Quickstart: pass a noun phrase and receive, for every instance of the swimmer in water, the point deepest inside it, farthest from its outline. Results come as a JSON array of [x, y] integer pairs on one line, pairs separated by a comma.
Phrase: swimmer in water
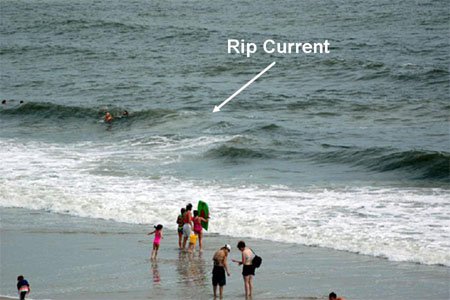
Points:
[[108, 118]]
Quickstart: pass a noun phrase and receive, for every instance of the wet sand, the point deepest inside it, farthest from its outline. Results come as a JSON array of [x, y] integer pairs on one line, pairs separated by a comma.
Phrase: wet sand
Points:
[[76, 258]]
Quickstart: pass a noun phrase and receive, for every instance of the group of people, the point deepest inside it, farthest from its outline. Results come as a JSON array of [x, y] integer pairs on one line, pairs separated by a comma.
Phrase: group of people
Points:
[[220, 260], [221, 267], [190, 228]]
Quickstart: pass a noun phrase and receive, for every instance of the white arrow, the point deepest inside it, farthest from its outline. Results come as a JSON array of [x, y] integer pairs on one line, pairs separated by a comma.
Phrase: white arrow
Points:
[[217, 108]]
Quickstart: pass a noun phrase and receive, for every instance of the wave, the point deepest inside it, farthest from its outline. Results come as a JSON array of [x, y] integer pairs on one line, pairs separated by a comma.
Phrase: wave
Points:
[[46, 50], [228, 152], [104, 180], [433, 76], [51, 111], [68, 25], [428, 165], [350, 219], [431, 165], [270, 127]]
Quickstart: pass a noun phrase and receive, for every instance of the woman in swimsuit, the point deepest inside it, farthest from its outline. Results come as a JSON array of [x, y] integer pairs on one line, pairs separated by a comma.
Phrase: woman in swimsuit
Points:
[[248, 270], [198, 229]]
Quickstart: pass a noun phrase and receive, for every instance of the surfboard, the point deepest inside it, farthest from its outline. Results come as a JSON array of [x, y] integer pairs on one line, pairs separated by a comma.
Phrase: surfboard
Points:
[[203, 211]]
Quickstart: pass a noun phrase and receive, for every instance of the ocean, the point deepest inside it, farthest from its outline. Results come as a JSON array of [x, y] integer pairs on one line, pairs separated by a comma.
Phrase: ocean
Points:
[[347, 150]]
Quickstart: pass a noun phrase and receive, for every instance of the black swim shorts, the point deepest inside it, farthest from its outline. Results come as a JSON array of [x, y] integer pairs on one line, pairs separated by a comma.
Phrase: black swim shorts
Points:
[[218, 276], [248, 270]]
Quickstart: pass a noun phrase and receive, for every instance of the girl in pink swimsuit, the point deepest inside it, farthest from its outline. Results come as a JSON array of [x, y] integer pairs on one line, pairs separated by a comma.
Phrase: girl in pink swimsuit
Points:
[[156, 240], [198, 229]]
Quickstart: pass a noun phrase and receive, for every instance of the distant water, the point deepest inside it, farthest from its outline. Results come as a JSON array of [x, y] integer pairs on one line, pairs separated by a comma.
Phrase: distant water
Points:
[[348, 150]]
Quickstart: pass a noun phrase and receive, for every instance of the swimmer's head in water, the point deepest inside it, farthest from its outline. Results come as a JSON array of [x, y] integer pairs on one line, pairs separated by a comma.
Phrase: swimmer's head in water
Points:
[[108, 117], [125, 113], [158, 227], [3, 101]]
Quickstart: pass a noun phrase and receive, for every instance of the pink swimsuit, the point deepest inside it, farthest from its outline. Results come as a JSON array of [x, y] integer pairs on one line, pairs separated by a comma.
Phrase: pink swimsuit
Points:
[[157, 239], [197, 225]]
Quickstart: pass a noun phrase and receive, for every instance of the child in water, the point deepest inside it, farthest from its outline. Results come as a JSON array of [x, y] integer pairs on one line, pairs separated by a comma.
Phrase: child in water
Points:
[[192, 242], [156, 240], [23, 287], [180, 223]]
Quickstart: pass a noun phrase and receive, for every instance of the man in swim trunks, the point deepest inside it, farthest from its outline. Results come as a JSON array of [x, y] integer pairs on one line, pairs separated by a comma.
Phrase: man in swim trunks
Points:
[[220, 267], [187, 224]]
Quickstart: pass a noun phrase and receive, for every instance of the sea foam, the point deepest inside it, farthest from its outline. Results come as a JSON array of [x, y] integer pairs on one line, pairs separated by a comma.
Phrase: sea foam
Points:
[[400, 224]]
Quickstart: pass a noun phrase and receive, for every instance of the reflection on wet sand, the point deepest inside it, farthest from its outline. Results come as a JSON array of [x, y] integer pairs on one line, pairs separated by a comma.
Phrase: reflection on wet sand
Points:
[[191, 268], [155, 272]]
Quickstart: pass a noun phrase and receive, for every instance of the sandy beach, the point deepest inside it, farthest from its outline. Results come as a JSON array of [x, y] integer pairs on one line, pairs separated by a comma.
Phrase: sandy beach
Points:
[[333, 166], [67, 257]]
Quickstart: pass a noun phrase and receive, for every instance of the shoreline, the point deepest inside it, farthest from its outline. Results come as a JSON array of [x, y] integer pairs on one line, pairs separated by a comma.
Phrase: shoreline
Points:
[[81, 258]]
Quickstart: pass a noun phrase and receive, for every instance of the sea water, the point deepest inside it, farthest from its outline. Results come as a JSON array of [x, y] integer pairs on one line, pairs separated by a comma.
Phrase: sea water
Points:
[[348, 150]]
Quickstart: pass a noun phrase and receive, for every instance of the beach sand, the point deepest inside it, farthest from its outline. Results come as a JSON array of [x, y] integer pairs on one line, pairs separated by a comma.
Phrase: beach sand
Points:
[[67, 257]]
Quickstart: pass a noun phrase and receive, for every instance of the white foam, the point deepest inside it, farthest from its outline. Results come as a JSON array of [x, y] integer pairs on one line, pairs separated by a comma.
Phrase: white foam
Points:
[[397, 223]]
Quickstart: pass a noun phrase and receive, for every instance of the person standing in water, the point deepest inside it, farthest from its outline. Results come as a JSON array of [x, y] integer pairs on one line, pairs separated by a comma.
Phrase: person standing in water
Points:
[[198, 229], [192, 241], [156, 240], [248, 270], [219, 269], [187, 224], [180, 227], [23, 287]]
